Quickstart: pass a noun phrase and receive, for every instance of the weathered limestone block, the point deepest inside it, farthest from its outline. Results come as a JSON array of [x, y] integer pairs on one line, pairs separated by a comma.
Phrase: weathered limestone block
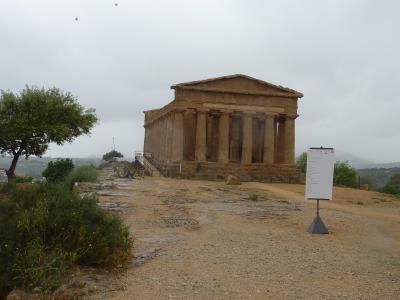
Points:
[[232, 180]]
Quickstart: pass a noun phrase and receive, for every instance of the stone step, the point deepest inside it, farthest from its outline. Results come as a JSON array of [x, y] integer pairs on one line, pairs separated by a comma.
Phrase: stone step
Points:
[[152, 170]]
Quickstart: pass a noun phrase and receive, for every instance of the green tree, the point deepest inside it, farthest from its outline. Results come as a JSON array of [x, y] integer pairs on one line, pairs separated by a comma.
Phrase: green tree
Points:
[[58, 170], [370, 181], [33, 118], [393, 186], [344, 174], [301, 162], [112, 155]]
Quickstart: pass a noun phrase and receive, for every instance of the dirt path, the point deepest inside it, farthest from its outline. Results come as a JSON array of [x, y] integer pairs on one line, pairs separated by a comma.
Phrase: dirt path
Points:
[[206, 240]]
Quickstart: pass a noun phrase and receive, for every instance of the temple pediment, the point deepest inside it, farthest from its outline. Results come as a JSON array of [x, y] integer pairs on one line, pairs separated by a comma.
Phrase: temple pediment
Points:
[[238, 83]]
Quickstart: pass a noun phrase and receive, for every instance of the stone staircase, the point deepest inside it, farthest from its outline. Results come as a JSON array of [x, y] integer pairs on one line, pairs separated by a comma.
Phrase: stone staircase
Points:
[[150, 167]]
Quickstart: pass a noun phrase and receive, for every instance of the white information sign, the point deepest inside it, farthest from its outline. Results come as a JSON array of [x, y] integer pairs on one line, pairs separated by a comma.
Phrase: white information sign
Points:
[[319, 179]]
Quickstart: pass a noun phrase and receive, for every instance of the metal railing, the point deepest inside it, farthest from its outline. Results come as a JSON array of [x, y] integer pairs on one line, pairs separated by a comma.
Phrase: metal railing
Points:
[[140, 154], [149, 156]]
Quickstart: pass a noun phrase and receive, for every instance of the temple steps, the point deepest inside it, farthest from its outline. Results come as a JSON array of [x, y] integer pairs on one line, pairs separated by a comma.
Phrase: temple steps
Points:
[[213, 170], [150, 167]]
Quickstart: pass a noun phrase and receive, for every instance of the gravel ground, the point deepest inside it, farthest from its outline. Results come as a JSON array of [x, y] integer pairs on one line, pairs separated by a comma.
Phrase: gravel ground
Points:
[[207, 240]]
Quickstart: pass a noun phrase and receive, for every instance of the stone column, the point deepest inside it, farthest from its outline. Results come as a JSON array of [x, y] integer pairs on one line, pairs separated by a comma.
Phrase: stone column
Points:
[[235, 141], [247, 146], [280, 140], [146, 138], [177, 140], [157, 148], [168, 138], [163, 138], [289, 140], [201, 134], [269, 139], [223, 145]]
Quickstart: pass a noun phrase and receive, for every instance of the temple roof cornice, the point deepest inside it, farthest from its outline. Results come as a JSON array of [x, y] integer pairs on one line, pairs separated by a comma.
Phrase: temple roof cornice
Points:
[[235, 91]]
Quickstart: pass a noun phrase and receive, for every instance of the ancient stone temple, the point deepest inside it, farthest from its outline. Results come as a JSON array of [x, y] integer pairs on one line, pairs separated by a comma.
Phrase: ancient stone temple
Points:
[[227, 125]]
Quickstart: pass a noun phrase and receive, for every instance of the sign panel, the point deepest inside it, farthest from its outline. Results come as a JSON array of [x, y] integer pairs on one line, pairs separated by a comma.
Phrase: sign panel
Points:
[[319, 178]]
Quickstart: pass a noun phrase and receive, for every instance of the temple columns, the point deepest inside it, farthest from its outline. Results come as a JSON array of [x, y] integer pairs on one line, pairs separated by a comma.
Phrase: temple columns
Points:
[[289, 141], [269, 140], [223, 146], [177, 139], [247, 144], [201, 135]]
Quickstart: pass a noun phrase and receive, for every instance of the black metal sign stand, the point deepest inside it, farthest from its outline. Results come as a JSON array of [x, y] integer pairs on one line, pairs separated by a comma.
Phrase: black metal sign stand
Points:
[[318, 226]]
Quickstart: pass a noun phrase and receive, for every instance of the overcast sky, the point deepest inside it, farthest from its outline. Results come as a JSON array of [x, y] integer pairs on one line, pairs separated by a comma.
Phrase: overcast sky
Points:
[[342, 55]]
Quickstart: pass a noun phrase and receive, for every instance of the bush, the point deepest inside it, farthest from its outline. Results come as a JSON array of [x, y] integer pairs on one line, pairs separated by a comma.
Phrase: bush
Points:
[[301, 162], [81, 174], [344, 175], [46, 229], [36, 266], [58, 170], [23, 179], [393, 186]]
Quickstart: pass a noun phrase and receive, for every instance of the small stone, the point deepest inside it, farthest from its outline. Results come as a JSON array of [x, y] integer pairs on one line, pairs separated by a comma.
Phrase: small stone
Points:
[[21, 295], [232, 180]]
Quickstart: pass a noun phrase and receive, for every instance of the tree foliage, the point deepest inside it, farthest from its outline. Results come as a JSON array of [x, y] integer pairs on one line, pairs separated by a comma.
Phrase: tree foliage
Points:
[[344, 174], [58, 170], [301, 162], [35, 117], [113, 154], [393, 186]]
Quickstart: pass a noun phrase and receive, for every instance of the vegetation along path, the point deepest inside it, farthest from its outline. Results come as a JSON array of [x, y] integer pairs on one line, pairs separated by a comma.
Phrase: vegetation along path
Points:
[[207, 240]]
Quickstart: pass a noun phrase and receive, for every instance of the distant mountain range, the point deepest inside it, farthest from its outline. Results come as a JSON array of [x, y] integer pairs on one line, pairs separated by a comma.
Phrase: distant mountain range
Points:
[[361, 163]]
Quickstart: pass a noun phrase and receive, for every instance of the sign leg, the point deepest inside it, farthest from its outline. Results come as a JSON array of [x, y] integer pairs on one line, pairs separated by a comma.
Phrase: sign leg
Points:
[[317, 226]]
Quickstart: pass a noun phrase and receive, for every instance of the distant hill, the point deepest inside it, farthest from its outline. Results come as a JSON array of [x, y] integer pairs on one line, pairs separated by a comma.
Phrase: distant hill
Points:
[[375, 174], [377, 177], [34, 166], [383, 165], [354, 160], [358, 162]]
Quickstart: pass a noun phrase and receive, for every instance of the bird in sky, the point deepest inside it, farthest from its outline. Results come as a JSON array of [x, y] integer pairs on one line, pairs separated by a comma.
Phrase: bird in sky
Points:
[[76, 18]]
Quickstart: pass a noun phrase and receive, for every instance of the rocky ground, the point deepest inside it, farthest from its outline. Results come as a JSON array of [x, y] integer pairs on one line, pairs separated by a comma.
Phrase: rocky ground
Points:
[[208, 240]]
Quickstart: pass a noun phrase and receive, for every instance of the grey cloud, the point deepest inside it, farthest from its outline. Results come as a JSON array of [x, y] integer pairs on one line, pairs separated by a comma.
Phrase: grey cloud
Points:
[[121, 60]]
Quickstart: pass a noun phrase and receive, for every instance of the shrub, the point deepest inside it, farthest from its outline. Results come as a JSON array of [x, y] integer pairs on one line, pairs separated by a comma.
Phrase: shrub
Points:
[[344, 174], [393, 186], [46, 229], [81, 174], [301, 162], [36, 266], [23, 179], [58, 170]]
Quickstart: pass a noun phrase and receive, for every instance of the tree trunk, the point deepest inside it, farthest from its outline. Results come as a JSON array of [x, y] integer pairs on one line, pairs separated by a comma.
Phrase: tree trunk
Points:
[[11, 171]]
